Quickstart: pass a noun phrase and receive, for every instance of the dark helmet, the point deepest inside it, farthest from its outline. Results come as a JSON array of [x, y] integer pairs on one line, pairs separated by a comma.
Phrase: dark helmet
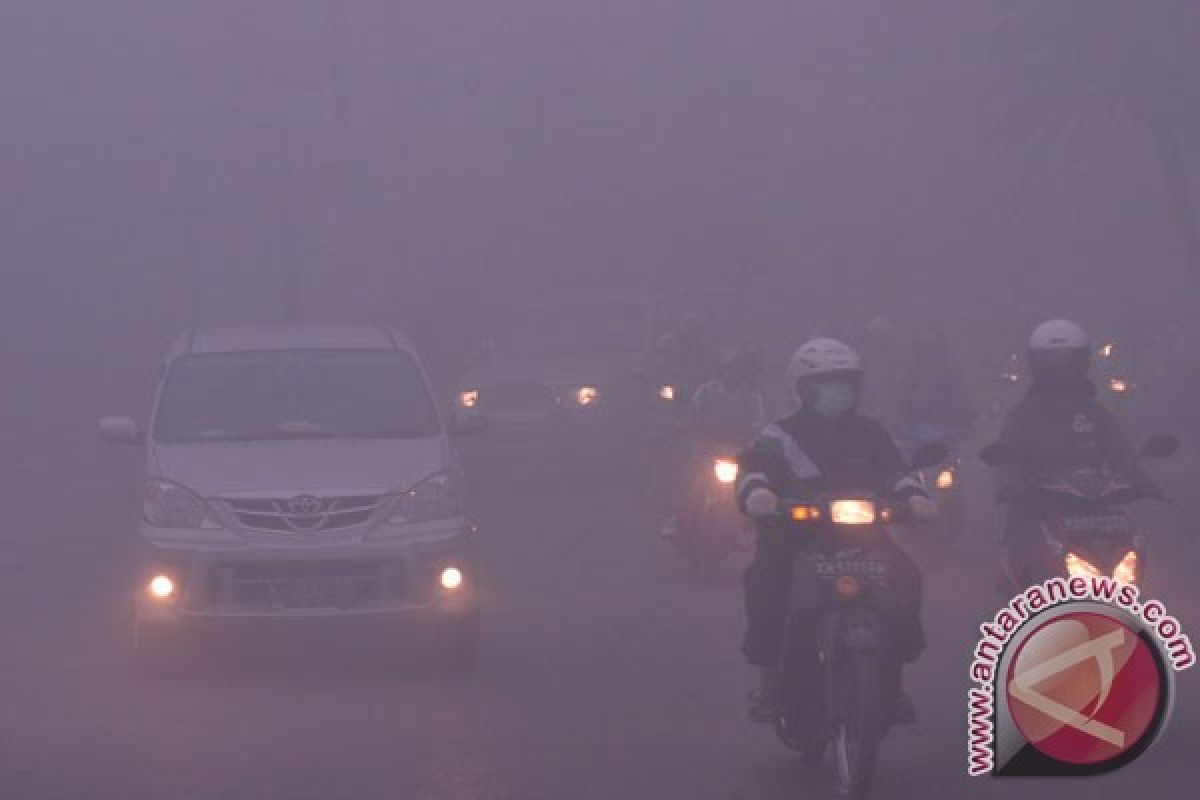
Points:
[[741, 365]]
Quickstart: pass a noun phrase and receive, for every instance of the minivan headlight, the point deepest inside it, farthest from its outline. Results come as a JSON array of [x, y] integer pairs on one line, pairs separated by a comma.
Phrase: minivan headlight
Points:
[[166, 504], [437, 497]]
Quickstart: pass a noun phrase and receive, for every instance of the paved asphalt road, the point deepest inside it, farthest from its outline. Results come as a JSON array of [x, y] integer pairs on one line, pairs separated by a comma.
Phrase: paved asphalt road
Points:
[[608, 674]]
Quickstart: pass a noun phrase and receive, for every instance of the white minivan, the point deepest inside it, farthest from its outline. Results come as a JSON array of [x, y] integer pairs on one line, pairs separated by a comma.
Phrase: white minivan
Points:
[[298, 472]]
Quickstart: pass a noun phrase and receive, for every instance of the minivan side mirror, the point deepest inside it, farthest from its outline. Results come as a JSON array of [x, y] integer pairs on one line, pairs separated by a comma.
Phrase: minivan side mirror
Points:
[[999, 454], [929, 455], [122, 430], [1160, 445]]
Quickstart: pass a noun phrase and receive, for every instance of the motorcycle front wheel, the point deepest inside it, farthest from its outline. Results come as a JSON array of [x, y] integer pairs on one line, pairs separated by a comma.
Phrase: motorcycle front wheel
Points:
[[858, 725]]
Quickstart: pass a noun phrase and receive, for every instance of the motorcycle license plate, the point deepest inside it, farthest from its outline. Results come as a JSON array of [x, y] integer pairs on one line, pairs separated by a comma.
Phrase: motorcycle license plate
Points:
[[1096, 523], [859, 568]]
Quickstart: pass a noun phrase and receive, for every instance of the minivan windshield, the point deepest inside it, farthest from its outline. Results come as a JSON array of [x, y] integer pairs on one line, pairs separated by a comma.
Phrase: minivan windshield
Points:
[[569, 328], [294, 394]]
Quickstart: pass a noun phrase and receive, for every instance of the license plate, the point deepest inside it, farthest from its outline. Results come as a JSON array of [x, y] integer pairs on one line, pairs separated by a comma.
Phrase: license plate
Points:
[[310, 593], [1103, 523], [859, 569]]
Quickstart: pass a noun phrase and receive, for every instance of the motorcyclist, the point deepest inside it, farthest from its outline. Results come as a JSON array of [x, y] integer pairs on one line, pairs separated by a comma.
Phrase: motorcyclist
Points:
[[686, 356], [1060, 422], [826, 444], [726, 410], [731, 406], [683, 359], [881, 349], [932, 392]]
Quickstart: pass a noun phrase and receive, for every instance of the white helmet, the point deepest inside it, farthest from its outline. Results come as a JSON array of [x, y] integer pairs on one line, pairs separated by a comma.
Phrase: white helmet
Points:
[[1059, 334], [822, 357]]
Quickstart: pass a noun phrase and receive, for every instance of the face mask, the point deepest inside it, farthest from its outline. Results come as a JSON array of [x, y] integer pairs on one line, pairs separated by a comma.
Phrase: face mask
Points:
[[833, 399]]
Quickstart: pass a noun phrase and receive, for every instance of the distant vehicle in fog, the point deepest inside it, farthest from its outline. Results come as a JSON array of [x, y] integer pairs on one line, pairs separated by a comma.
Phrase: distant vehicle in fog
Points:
[[575, 377], [564, 376], [300, 473]]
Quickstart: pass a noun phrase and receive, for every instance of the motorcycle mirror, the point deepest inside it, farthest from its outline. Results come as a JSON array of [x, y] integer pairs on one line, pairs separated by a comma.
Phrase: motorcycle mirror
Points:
[[998, 454], [1160, 445], [929, 455]]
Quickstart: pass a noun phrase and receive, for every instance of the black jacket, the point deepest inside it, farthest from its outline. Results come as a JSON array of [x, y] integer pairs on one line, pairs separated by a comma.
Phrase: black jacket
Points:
[[805, 453], [1067, 426]]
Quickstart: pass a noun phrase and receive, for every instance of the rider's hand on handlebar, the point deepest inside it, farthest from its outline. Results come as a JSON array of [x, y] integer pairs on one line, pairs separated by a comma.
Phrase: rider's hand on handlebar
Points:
[[762, 502]]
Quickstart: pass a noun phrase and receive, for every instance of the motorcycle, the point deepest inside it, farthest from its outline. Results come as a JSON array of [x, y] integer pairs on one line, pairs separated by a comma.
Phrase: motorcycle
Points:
[[943, 482], [1087, 532], [840, 701], [711, 528]]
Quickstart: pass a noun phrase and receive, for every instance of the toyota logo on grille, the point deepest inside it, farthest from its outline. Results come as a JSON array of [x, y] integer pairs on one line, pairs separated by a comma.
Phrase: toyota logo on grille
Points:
[[305, 505]]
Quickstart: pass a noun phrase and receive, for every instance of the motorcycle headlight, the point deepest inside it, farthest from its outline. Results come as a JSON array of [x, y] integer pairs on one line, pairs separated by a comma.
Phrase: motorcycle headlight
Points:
[[437, 497], [587, 395], [945, 479], [666, 392], [1080, 567], [725, 470], [1127, 570], [1119, 385], [852, 512], [166, 504], [468, 398]]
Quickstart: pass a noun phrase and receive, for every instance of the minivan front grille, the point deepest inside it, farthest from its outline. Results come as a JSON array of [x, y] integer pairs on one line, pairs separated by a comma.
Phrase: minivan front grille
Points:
[[304, 513]]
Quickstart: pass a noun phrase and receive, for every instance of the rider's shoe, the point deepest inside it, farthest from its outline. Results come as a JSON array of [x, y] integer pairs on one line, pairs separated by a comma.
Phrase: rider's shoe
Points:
[[764, 701]]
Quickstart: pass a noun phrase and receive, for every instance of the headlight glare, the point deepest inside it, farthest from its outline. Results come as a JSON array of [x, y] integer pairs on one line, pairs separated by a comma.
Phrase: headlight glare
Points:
[[586, 395], [852, 512], [945, 479], [468, 398], [1080, 567], [1127, 570], [725, 470]]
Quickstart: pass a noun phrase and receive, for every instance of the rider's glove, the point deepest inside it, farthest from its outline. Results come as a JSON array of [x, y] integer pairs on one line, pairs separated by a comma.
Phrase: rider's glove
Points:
[[923, 508], [761, 502]]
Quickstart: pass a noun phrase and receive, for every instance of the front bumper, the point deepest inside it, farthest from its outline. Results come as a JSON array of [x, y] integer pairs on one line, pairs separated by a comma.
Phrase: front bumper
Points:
[[362, 580]]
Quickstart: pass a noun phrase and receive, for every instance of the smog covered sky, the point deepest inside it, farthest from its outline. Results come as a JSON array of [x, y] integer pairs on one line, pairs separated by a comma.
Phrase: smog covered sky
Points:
[[171, 163]]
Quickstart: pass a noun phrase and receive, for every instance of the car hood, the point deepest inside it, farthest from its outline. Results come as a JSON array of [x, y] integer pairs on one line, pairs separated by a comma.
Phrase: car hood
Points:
[[585, 368], [213, 469]]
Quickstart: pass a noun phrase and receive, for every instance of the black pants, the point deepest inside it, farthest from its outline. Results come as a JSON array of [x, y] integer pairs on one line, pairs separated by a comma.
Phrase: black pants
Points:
[[768, 583], [1030, 556]]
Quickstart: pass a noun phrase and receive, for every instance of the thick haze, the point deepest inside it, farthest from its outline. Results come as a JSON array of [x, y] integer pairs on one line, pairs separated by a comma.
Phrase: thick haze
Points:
[[167, 163]]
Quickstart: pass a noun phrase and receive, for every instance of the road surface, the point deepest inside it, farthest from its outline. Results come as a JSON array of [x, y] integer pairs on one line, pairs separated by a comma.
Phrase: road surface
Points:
[[607, 673]]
